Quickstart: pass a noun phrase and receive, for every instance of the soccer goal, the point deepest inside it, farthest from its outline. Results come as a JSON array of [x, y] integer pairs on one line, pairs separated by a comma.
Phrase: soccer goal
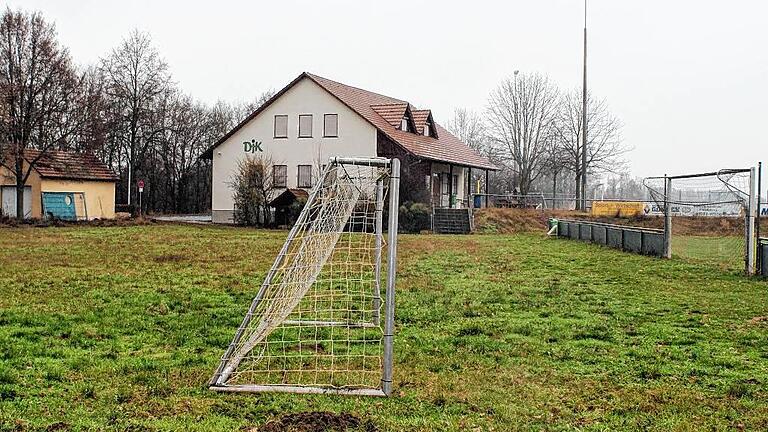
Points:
[[319, 322], [709, 217]]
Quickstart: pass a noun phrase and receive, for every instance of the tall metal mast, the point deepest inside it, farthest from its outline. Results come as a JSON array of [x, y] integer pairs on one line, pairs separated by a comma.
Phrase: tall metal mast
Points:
[[584, 120]]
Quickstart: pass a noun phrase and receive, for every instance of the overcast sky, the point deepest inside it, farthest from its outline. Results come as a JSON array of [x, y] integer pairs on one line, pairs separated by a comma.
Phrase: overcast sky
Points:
[[689, 79]]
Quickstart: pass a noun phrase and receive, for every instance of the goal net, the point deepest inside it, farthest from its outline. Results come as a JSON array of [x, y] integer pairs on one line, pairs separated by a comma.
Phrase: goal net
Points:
[[322, 321], [708, 215]]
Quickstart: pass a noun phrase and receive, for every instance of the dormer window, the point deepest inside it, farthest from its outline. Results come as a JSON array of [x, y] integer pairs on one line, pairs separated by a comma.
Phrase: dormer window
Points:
[[428, 129], [404, 125]]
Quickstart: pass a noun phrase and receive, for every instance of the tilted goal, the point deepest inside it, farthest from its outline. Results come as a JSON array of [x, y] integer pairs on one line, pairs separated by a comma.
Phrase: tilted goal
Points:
[[709, 217], [319, 323]]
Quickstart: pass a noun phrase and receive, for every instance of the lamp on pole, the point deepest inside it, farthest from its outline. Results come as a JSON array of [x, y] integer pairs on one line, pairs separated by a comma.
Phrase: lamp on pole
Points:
[[584, 120]]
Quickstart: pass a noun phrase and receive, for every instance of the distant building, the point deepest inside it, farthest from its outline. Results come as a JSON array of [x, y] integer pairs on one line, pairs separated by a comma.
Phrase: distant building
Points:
[[314, 118], [62, 185]]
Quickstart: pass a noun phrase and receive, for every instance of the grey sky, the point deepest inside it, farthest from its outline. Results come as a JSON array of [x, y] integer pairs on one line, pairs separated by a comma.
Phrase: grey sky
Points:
[[689, 79]]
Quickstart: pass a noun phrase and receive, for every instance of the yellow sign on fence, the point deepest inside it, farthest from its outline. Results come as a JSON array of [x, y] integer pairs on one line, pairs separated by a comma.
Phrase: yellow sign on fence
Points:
[[617, 209]]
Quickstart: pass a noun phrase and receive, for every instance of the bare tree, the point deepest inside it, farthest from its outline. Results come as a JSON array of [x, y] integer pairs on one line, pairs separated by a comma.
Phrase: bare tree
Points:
[[521, 114], [470, 129], [604, 147], [40, 91], [623, 186], [555, 162], [252, 106], [136, 82]]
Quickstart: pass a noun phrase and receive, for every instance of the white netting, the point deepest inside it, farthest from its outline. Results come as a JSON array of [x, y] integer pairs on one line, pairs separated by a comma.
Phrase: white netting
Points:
[[317, 321], [708, 216]]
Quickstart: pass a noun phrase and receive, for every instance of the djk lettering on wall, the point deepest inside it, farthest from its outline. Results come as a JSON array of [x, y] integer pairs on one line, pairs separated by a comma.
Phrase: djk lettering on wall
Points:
[[252, 146]]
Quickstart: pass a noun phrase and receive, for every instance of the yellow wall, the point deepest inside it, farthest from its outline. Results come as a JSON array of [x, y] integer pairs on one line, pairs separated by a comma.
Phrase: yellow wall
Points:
[[99, 195], [8, 179], [617, 209]]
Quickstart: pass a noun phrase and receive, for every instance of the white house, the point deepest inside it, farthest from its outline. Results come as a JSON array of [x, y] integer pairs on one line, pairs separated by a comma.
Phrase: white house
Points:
[[314, 118]]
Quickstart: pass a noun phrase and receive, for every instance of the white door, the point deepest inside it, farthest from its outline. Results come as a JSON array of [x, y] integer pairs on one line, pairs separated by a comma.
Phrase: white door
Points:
[[9, 201], [445, 199]]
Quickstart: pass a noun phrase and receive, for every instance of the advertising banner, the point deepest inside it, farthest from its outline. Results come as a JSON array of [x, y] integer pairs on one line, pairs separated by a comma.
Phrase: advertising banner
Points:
[[708, 210]]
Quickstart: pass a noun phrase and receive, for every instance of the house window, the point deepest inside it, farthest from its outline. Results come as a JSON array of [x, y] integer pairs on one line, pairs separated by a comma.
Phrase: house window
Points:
[[305, 176], [305, 126], [280, 176], [427, 129], [281, 126], [404, 125], [331, 125]]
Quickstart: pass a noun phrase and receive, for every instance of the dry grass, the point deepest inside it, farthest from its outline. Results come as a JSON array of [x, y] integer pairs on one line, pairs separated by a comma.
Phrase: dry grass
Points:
[[510, 221]]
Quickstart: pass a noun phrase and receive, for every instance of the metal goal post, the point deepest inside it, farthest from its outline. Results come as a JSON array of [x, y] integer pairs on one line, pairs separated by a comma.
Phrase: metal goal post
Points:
[[709, 216], [315, 326]]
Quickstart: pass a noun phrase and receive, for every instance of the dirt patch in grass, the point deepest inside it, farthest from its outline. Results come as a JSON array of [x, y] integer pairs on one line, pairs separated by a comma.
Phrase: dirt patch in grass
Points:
[[317, 421], [170, 258]]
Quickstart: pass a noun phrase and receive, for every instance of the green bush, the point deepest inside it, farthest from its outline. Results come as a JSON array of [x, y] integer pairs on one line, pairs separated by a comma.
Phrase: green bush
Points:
[[414, 217]]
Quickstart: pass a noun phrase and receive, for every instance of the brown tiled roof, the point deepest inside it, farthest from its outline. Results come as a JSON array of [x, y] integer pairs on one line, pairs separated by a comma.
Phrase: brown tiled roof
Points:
[[70, 165], [392, 113], [420, 118], [384, 112], [445, 148]]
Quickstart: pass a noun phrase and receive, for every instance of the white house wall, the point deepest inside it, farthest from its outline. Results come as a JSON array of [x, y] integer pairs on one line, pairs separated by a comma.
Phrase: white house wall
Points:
[[356, 137]]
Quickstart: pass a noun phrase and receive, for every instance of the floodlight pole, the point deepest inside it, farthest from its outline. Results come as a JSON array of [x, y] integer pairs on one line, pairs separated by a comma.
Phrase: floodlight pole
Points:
[[584, 120], [389, 309], [667, 217]]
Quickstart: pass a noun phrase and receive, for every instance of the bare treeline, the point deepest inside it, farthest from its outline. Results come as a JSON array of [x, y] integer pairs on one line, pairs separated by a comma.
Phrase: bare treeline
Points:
[[126, 109], [533, 131]]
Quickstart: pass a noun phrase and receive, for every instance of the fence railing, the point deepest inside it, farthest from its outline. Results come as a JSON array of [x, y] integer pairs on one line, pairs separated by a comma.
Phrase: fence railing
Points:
[[646, 241]]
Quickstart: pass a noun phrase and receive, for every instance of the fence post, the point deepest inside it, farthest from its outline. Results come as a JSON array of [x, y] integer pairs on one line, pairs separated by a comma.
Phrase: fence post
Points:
[[667, 217], [750, 267]]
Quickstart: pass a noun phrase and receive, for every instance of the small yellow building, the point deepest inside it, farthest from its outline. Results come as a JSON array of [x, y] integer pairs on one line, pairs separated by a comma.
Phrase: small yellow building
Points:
[[62, 185]]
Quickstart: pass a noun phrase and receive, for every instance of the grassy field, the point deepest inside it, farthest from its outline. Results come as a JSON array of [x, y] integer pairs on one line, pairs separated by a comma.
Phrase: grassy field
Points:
[[120, 328]]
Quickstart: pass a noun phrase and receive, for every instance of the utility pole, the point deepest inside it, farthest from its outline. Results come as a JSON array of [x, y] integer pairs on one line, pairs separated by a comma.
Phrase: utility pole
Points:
[[584, 120]]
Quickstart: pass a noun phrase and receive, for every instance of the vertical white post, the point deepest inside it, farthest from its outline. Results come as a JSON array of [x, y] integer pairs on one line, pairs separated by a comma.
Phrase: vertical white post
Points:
[[750, 265], [667, 217], [389, 309]]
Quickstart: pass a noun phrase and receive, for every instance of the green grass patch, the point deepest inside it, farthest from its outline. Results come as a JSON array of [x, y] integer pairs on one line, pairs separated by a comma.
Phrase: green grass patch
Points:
[[120, 328]]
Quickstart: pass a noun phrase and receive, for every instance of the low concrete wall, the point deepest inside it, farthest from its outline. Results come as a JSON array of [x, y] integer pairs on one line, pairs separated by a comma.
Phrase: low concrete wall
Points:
[[644, 241]]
